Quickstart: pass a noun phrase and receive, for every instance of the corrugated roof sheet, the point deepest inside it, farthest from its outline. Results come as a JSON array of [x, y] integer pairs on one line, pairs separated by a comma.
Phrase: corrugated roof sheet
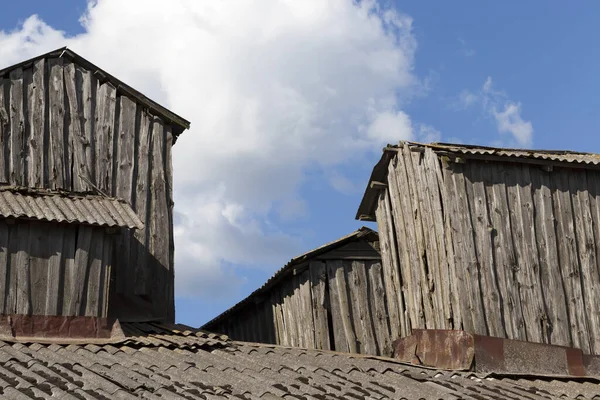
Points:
[[288, 268], [366, 209], [66, 207], [235, 370]]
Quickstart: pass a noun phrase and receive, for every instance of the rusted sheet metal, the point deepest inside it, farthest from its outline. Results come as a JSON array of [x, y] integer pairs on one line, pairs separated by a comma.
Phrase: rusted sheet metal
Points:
[[459, 350], [58, 329]]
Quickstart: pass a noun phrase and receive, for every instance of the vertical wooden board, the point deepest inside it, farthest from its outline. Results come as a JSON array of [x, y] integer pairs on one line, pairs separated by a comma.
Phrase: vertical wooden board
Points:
[[343, 331], [593, 185], [306, 309], [279, 300], [54, 274], [78, 142], [68, 268], [17, 127], [4, 130], [123, 182], [139, 257], [297, 316], [320, 303], [476, 196], [36, 107], [10, 305], [358, 286], [414, 189], [106, 103], [39, 247], [402, 209], [586, 249], [95, 279], [290, 320], [4, 263], [57, 158], [170, 204], [389, 265], [22, 265], [75, 297], [569, 260], [556, 327], [273, 298], [87, 87], [377, 305], [434, 185], [520, 204], [107, 259]]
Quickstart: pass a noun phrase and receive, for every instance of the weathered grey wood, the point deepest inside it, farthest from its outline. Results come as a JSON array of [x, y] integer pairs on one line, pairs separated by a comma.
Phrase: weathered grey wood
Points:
[[104, 131], [282, 329], [377, 305], [320, 303], [277, 326], [586, 249], [17, 128], [95, 280], [142, 199], [4, 130], [36, 119], [569, 261], [288, 308], [593, 193], [21, 264], [4, 261], [58, 160], [87, 86], [10, 305], [343, 332], [361, 313], [123, 184], [306, 311], [39, 245], [390, 265], [483, 230], [170, 204], [76, 300], [78, 142], [55, 276], [556, 326], [521, 206]]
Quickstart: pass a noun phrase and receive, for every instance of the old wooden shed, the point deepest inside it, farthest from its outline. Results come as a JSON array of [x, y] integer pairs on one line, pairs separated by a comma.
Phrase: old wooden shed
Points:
[[493, 241], [330, 298], [85, 193]]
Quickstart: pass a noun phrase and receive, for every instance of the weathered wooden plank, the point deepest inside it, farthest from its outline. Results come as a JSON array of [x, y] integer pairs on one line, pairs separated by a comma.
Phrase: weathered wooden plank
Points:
[[361, 314], [54, 274], [39, 249], [275, 306], [477, 199], [138, 261], [586, 249], [10, 305], [17, 127], [390, 267], [556, 325], [106, 102], [377, 304], [123, 182], [343, 332], [36, 109], [4, 130], [521, 206], [283, 332], [94, 280], [87, 86], [57, 158], [78, 142], [320, 303], [76, 300], [569, 261], [297, 314], [288, 308], [170, 204], [593, 192], [21, 263], [4, 262], [68, 269]]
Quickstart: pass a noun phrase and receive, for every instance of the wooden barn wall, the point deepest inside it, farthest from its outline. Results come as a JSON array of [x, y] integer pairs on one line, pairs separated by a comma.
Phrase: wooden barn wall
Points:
[[62, 127], [54, 269], [501, 249], [333, 304]]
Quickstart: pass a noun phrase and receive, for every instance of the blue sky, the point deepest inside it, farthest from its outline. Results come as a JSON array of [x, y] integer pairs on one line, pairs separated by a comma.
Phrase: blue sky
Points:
[[510, 73]]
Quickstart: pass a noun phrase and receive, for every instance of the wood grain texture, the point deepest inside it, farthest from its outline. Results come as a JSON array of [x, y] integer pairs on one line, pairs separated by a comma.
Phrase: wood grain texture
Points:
[[343, 330], [377, 306], [361, 312], [320, 304], [4, 130], [58, 159], [106, 103], [36, 98], [17, 128]]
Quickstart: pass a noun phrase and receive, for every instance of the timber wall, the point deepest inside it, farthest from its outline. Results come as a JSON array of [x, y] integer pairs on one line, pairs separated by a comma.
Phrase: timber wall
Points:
[[44, 270], [335, 302], [506, 249], [65, 127]]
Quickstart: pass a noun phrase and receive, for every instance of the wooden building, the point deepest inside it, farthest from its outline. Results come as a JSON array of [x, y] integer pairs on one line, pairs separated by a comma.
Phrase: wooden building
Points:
[[86, 223], [497, 242], [330, 298]]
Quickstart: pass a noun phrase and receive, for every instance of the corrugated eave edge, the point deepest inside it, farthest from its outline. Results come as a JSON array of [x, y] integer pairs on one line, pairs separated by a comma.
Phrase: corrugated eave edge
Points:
[[170, 116], [366, 209], [361, 233]]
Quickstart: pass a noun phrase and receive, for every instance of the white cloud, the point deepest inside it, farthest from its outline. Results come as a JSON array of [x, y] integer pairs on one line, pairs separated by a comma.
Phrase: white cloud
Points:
[[505, 112], [428, 134], [272, 87]]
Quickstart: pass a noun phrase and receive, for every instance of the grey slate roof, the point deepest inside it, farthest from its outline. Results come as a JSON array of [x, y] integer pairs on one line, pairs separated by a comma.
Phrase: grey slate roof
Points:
[[175, 362], [44, 205]]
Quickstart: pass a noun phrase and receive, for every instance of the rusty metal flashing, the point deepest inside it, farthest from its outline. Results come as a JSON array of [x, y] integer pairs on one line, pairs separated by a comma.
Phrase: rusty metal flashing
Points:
[[460, 350], [59, 329]]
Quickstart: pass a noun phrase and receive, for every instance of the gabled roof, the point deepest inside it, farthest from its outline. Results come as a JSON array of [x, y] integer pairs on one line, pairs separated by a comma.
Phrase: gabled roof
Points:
[[101, 74], [66, 207], [366, 210], [362, 233], [158, 361]]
